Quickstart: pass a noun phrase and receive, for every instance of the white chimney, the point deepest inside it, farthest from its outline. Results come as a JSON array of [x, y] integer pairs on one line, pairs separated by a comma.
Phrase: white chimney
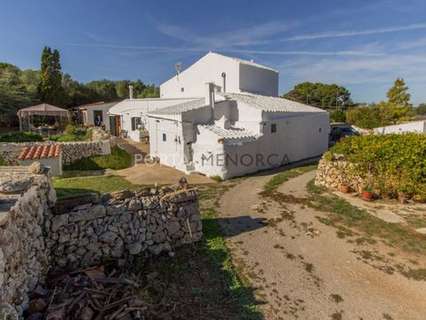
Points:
[[130, 91], [210, 94], [223, 81]]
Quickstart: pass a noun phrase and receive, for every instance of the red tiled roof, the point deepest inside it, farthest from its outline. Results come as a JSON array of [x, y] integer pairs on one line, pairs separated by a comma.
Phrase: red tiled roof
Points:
[[40, 152]]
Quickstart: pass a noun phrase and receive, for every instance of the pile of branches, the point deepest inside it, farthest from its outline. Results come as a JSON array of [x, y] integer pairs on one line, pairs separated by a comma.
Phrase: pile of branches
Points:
[[92, 295]]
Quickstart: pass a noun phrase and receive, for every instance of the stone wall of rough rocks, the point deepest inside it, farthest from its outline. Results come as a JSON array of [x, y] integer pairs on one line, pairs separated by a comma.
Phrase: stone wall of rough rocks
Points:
[[71, 151], [38, 234], [123, 224], [24, 258], [337, 172]]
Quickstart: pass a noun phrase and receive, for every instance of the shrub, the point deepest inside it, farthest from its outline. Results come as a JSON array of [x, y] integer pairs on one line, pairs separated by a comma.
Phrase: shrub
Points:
[[338, 116], [72, 133], [20, 137], [394, 163]]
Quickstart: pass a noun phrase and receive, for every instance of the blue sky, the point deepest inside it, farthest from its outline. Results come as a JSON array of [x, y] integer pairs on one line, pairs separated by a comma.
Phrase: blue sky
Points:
[[361, 44]]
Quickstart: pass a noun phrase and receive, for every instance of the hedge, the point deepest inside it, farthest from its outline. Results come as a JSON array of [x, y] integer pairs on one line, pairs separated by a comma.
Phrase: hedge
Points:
[[394, 163], [20, 137]]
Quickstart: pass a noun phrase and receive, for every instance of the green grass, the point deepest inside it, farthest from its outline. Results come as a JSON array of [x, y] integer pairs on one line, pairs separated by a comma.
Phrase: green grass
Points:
[[66, 187], [2, 162], [215, 247], [20, 137], [118, 159], [73, 133], [284, 176], [342, 212]]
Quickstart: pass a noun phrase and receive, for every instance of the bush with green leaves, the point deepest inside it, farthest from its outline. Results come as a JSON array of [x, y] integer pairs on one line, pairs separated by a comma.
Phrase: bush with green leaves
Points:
[[72, 133], [20, 137], [392, 164]]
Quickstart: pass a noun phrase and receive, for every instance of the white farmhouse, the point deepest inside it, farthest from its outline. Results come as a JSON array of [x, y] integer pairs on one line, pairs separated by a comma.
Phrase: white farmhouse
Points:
[[222, 117]]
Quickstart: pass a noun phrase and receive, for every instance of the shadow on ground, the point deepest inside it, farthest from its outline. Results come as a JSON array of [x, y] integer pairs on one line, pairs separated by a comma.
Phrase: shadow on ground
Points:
[[234, 226]]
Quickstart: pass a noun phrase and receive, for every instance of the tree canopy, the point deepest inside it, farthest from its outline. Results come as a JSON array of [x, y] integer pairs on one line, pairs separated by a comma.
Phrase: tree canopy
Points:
[[395, 110], [421, 109], [325, 96], [22, 88], [398, 94]]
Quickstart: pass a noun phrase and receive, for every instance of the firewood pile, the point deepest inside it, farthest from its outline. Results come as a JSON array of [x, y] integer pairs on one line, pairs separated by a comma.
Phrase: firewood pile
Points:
[[92, 295]]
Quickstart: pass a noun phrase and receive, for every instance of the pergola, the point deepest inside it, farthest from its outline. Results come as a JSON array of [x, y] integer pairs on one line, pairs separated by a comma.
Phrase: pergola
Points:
[[26, 116]]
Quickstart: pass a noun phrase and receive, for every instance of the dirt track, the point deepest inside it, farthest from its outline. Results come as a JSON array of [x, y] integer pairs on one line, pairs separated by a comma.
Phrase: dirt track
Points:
[[302, 269]]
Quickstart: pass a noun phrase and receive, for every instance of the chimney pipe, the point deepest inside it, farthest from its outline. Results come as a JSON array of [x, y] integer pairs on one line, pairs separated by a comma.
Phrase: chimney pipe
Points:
[[210, 94], [130, 92], [224, 81]]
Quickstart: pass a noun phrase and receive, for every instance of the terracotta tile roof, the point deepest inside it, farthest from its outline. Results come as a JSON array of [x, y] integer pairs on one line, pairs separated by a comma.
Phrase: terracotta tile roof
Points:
[[40, 152]]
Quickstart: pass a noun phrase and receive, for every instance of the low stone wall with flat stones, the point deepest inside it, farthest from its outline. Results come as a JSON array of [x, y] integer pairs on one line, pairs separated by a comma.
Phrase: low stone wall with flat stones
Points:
[[71, 151], [123, 224], [337, 172]]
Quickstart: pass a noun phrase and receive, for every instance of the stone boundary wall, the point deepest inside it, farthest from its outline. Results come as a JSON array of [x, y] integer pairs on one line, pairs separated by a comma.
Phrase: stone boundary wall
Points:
[[121, 225], [24, 258], [71, 151], [36, 236], [337, 172]]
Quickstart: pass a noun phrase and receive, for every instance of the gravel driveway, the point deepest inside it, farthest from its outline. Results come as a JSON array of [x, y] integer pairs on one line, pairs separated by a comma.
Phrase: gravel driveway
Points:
[[302, 269]]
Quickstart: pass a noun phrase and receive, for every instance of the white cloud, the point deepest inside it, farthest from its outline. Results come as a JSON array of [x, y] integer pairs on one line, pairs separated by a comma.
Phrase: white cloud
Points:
[[239, 37], [229, 50], [341, 34]]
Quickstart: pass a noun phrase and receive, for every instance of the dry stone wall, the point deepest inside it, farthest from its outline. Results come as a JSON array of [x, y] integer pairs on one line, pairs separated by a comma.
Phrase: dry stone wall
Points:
[[336, 172], [24, 258], [36, 236], [71, 151], [124, 224]]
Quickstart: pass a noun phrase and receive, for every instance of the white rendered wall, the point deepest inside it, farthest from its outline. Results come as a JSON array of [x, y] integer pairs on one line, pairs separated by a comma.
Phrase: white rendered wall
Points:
[[90, 120], [417, 126], [193, 80], [170, 152], [298, 137], [258, 80]]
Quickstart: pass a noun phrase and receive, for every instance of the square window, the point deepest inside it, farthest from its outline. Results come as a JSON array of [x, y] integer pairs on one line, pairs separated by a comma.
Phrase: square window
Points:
[[182, 89], [164, 137], [273, 127]]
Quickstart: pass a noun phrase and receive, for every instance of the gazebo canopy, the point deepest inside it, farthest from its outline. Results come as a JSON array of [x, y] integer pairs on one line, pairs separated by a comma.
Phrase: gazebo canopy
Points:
[[43, 109]]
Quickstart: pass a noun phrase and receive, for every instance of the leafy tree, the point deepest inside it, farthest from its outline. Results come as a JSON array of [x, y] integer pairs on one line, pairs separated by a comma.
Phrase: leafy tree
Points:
[[13, 94], [421, 109], [326, 96], [338, 116], [366, 117], [104, 88], [398, 94], [150, 91], [50, 87]]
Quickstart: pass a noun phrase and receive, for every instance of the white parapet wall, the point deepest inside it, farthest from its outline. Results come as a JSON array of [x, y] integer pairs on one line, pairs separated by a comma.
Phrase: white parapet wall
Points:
[[415, 126]]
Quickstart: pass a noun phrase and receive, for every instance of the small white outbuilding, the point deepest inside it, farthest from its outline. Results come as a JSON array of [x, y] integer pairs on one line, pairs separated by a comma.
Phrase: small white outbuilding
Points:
[[413, 126]]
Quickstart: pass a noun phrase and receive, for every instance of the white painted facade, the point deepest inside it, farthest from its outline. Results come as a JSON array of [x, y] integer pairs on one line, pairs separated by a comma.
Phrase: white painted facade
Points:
[[225, 128], [130, 109], [228, 75], [237, 136], [415, 126], [89, 111]]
